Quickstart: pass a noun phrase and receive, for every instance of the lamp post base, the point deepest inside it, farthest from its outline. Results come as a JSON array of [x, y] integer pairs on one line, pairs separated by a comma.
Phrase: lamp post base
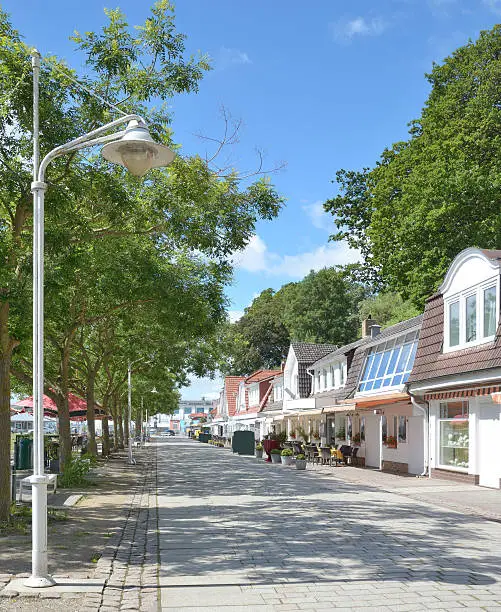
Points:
[[39, 582]]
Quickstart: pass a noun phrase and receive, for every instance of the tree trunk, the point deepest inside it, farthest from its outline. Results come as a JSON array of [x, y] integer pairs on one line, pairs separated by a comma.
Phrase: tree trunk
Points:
[[91, 421], [125, 422], [120, 428], [105, 450], [63, 411], [5, 358]]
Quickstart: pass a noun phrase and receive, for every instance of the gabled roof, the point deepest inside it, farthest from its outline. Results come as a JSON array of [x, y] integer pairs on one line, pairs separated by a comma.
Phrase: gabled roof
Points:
[[307, 352], [231, 384], [260, 375]]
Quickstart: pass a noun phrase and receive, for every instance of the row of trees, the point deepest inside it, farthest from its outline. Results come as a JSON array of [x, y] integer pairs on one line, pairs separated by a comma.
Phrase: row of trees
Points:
[[135, 269], [325, 307]]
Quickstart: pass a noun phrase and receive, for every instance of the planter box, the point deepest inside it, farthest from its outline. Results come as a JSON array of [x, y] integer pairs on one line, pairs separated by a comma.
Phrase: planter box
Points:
[[259, 454], [300, 464], [287, 460], [276, 459]]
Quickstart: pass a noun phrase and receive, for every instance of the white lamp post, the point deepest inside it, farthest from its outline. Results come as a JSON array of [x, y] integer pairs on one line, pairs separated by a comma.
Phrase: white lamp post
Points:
[[133, 148]]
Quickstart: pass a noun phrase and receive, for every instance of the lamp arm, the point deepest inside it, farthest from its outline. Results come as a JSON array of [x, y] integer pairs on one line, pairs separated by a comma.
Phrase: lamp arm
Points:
[[87, 140], [60, 151]]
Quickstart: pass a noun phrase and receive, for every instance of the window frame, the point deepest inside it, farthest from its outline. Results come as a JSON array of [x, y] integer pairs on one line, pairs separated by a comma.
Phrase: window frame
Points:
[[398, 345], [461, 296], [440, 420]]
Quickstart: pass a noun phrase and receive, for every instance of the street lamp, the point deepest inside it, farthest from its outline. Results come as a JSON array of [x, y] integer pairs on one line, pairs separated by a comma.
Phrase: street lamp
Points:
[[135, 149]]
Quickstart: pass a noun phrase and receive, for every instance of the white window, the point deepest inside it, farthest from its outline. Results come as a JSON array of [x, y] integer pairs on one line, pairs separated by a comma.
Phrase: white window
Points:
[[471, 317], [324, 379], [278, 392], [254, 395], [330, 377], [337, 376]]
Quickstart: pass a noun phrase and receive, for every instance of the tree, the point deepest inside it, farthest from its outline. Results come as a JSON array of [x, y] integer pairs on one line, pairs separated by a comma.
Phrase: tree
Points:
[[176, 213], [439, 192], [387, 309], [259, 339], [324, 307]]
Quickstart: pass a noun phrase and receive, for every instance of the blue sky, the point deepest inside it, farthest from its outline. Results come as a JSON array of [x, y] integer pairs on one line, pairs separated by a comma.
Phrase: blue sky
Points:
[[318, 86]]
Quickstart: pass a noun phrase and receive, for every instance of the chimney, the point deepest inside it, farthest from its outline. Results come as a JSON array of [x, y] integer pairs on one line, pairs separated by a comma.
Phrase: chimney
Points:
[[375, 330], [367, 324]]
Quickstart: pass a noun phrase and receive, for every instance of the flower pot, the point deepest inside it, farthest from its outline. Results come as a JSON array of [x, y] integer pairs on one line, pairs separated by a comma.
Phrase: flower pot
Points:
[[287, 460], [276, 459], [300, 464], [259, 454]]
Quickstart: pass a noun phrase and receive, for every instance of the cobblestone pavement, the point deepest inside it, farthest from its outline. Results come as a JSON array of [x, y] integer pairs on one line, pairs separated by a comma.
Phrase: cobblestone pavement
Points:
[[238, 534], [130, 565]]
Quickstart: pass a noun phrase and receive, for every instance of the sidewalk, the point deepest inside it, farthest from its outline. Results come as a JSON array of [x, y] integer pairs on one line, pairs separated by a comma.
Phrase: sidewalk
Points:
[[464, 498], [109, 537]]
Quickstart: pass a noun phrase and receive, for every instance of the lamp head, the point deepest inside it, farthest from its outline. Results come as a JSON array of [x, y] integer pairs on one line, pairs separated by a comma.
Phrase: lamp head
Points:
[[137, 150]]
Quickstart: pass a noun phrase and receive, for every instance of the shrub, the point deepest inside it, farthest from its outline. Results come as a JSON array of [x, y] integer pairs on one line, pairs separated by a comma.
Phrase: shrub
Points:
[[92, 458], [259, 447], [275, 451], [75, 472], [287, 452], [301, 457]]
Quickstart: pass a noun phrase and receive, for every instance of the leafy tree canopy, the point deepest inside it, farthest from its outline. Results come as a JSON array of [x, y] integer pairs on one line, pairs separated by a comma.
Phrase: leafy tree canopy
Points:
[[439, 192]]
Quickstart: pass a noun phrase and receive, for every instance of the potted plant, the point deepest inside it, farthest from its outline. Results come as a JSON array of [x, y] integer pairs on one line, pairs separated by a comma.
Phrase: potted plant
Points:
[[300, 462], [316, 436], [259, 451], [356, 438], [287, 456], [292, 435], [276, 455], [391, 442]]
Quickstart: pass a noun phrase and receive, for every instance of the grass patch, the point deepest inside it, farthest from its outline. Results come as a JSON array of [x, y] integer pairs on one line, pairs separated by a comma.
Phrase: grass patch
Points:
[[19, 522], [55, 516]]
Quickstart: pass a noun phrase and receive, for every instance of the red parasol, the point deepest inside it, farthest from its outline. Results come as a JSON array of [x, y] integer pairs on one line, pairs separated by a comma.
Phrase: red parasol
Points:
[[77, 407]]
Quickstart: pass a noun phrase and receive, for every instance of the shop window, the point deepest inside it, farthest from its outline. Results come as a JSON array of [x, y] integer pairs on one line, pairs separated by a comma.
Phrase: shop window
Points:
[[384, 428], [349, 427], [454, 435], [402, 429], [362, 428]]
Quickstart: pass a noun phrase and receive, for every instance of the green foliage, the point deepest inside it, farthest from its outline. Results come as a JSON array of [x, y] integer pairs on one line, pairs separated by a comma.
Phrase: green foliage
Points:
[[259, 447], [437, 193], [275, 451], [300, 457], [387, 309], [287, 452], [323, 307], [75, 473]]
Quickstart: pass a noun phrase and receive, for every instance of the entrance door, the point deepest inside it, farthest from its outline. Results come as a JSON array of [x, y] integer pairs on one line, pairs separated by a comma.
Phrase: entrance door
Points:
[[373, 441], [488, 440], [415, 444]]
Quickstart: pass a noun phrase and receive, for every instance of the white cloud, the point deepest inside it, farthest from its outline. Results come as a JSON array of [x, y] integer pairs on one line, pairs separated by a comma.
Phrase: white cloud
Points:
[[318, 216], [256, 258], [234, 315], [344, 30], [231, 57], [202, 387]]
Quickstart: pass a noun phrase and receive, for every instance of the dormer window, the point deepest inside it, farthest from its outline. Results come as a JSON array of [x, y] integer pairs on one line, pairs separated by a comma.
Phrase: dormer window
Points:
[[471, 316]]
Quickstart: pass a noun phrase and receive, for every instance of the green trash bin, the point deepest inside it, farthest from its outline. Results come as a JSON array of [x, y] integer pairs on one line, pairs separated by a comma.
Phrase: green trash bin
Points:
[[24, 454]]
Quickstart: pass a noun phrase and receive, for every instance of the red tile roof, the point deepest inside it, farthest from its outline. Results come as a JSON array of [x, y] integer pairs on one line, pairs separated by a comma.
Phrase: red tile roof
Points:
[[262, 375], [231, 384]]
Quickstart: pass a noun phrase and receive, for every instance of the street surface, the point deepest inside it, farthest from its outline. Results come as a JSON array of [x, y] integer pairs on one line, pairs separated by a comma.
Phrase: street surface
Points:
[[237, 534]]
